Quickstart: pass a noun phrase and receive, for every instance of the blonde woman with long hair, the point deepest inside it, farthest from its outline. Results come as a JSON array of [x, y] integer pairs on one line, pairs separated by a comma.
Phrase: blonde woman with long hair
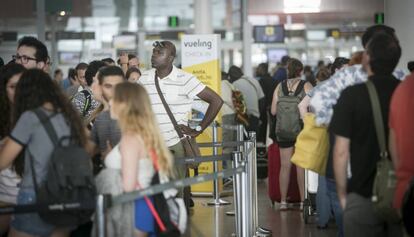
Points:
[[141, 139]]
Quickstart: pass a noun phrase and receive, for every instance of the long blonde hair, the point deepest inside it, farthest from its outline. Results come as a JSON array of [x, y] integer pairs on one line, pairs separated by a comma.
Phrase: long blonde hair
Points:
[[135, 115]]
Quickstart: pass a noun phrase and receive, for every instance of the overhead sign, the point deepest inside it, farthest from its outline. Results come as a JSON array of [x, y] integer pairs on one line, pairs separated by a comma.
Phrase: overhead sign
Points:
[[200, 56], [173, 21], [379, 18], [269, 34], [8, 36], [70, 35]]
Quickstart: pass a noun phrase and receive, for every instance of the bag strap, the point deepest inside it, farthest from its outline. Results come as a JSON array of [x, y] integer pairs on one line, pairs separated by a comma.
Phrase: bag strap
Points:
[[45, 121], [285, 89], [167, 108], [300, 87], [88, 102], [378, 120], [150, 205]]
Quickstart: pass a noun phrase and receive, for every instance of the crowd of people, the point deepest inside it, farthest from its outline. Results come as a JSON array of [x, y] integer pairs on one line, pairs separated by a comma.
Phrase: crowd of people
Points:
[[336, 94], [123, 119]]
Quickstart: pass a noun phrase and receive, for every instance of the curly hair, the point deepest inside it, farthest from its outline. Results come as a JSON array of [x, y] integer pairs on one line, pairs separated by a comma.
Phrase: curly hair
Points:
[[6, 73], [36, 88]]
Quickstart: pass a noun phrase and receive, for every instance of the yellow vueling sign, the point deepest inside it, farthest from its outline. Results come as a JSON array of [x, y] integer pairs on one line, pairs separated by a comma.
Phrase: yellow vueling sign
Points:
[[200, 56]]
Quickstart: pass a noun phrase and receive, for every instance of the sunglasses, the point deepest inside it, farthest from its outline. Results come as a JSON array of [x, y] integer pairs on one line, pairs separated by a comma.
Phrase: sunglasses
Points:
[[158, 44]]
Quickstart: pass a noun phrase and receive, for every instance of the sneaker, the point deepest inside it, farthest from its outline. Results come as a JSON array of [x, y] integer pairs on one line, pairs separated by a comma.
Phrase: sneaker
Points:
[[283, 206]]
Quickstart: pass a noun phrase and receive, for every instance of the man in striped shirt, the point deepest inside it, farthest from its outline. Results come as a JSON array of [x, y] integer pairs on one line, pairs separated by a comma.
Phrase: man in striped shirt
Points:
[[179, 89]]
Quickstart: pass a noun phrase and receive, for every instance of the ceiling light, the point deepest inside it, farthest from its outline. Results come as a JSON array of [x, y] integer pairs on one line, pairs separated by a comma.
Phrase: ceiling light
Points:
[[302, 6], [62, 13]]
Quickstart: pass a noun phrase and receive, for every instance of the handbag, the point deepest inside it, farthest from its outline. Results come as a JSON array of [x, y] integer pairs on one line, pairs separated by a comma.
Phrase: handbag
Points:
[[190, 145], [385, 181], [312, 146]]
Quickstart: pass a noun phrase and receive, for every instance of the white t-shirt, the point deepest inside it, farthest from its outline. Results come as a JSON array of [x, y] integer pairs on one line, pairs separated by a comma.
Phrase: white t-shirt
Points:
[[226, 95], [179, 89], [252, 93]]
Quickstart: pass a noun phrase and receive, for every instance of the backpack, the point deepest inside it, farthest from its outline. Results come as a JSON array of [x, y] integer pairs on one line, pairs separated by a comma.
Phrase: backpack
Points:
[[239, 105], [168, 210], [68, 182], [288, 122], [171, 210]]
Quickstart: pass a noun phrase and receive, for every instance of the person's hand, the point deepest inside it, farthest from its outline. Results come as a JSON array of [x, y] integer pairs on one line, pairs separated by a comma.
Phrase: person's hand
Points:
[[123, 58], [188, 131]]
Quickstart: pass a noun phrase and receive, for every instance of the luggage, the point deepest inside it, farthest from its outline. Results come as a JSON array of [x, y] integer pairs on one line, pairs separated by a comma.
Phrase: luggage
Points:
[[273, 172], [261, 161]]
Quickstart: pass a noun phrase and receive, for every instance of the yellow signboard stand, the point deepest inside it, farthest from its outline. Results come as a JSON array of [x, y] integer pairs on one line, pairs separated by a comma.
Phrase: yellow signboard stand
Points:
[[200, 56]]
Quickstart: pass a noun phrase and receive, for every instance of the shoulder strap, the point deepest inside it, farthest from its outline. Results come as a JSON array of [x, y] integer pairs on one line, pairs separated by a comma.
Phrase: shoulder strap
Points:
[[167, 108], [88, 102], [45, 121], [252, 84], [300, 87], [379, 123], [284, 88]]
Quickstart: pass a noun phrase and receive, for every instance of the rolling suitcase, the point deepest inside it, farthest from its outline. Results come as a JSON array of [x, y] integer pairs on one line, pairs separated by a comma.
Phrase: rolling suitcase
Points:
[[261, 160], [273, 172]]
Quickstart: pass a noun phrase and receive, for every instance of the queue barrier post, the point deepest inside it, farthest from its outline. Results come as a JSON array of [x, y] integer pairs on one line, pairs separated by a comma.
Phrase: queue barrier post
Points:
[[239, 138], [241, 209], [216, 192], [100, 216], [256, 229]]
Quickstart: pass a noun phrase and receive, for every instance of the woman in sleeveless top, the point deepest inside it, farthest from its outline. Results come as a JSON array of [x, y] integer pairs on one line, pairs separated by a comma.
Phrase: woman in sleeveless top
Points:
[[140, 135], [295, 69]]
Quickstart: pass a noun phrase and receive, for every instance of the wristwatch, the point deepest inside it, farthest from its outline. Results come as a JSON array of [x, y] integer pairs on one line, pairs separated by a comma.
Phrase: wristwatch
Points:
[[198, 128]]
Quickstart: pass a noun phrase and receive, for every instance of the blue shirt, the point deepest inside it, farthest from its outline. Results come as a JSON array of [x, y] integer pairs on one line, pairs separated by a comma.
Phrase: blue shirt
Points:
[[280, 74]]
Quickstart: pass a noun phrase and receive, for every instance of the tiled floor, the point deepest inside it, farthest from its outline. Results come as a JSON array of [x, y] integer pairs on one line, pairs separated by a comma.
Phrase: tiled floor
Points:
[[207, 221]]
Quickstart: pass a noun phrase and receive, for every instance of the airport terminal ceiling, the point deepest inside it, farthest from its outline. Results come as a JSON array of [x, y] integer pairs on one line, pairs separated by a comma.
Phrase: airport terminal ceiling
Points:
[[106, 20]]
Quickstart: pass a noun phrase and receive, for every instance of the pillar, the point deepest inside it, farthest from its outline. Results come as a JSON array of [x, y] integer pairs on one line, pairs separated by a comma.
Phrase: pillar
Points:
[[399, 15], [40, 19], [203, 17]]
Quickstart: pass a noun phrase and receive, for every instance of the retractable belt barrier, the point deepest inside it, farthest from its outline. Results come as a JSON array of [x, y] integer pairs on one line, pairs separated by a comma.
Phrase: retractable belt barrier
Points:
[[90, 204], [55, 207], [132, 196]]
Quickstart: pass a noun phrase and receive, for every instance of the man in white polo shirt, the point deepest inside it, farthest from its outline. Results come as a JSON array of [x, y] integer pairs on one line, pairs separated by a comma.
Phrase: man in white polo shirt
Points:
[[179, 89]]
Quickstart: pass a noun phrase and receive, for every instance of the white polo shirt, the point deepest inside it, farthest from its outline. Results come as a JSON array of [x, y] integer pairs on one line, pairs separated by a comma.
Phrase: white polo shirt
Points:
[[179, 89]]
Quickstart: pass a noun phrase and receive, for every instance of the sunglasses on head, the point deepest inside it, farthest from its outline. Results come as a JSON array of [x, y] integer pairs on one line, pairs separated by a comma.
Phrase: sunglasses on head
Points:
[[158, 44]]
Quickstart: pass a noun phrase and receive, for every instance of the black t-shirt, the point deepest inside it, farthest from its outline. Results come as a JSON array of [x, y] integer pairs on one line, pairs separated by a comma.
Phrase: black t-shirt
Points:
[[353, 119], [268, 85]]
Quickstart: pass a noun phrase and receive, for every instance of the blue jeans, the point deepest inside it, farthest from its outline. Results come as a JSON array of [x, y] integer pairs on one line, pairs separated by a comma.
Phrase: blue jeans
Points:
[[323, 205], [336, 207]]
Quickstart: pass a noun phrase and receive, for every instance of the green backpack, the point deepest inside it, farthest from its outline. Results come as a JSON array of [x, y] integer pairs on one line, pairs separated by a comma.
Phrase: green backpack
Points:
[[288, 122]]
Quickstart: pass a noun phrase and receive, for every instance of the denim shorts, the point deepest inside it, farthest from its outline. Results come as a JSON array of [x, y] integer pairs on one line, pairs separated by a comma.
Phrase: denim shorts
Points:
[[30, 223]]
